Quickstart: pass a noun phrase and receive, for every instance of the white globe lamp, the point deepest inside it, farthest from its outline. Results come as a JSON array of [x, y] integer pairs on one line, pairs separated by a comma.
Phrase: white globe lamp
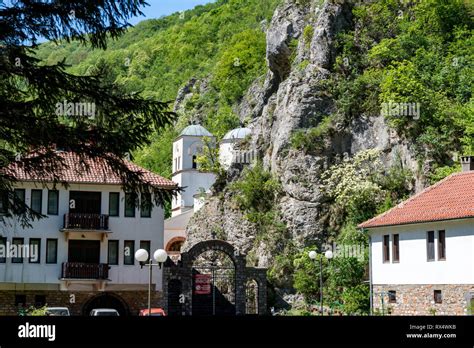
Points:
[[141, 255]]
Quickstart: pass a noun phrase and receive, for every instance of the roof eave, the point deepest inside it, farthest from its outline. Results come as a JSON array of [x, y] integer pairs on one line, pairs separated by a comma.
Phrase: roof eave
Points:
[[170, 187], [414, 222]]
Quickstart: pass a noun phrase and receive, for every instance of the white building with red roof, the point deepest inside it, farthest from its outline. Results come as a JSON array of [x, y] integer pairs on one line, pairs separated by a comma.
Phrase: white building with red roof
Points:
[[422, 251], [86, 243]]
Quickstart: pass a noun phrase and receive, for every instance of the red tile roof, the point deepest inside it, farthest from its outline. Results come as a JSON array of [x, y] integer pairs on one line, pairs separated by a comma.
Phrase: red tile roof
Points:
[[451, 198], [97, 172]]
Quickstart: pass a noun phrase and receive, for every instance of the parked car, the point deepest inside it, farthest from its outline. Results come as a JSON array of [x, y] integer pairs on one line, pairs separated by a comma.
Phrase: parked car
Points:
[[155, 312], [57, 311], [104, 312]]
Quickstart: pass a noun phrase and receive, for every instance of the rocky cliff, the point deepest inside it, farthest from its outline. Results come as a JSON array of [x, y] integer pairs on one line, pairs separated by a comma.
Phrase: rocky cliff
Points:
[[292, 96]]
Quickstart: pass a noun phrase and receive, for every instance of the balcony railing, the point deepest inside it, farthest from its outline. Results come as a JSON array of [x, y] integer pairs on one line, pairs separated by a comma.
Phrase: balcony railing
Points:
[[79, 270], [86, 221]]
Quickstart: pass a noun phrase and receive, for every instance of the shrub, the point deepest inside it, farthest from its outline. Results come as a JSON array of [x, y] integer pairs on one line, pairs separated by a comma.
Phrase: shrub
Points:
[[308, 33], [257, 190], [356, 299], [312, 139]]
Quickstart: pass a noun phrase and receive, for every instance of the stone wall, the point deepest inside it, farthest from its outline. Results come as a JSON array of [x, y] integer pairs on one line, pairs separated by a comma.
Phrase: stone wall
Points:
[[419, 299], [133, 300]]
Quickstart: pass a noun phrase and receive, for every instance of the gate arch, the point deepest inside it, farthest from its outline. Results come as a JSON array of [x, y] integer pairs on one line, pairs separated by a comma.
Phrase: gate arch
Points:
[[106, 300], [185, 272]]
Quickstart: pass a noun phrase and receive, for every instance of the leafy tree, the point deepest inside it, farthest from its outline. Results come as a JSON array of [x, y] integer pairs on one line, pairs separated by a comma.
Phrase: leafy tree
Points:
[[257, 190], [420, 52], [30, 126], [307, 274], [240, 64]]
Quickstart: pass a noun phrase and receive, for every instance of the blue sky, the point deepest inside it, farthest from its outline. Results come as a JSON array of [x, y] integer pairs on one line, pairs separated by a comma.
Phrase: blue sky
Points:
[[158, 8], [155, 8]]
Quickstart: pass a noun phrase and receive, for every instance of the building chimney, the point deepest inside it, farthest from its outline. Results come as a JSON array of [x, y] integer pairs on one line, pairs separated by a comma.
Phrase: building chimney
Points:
[[467, 163]]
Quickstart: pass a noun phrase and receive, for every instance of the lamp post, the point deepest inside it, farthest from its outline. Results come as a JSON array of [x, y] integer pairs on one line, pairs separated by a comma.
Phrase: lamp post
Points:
[[312, 255], [160, 256]]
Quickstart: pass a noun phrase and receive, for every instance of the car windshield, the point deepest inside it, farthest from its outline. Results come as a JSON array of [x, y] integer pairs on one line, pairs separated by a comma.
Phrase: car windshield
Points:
[[110, 314], [57, 312]]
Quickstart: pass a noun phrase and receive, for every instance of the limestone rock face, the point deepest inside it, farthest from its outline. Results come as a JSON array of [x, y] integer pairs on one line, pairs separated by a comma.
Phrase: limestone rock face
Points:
[[292, 96], [287, 24]]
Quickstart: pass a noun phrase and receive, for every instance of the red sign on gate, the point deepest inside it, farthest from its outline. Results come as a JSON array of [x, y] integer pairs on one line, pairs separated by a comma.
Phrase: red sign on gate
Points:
[[202, 284]]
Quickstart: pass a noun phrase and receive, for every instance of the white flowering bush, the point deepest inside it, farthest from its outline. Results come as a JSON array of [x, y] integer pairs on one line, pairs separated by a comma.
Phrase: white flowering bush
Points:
[[355, 187]]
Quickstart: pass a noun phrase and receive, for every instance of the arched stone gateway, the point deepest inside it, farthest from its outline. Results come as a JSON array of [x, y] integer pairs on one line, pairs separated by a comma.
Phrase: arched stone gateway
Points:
[[213, 278], [106, 300]]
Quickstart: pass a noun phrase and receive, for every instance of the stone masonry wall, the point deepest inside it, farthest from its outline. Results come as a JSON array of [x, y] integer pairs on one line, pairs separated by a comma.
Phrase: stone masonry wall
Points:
[[419, 299], [135, 300]]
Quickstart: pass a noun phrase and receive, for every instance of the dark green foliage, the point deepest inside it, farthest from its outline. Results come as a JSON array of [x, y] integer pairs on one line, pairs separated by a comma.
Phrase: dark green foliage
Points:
[[240, 64], [313, 139], [307, 274], [159, 56], [308, 33], [356, 299], [257, 190], [30, 126], [418, 52], [343, 276], [256, 193]]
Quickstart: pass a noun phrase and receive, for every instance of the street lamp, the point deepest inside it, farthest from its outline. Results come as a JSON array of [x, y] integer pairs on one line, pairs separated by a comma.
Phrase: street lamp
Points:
[[312, 255], [160, 256]]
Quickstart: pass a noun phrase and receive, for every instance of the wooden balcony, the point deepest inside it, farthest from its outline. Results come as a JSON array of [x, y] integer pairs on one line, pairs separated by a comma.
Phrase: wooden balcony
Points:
[[90, 222], [79, 270]]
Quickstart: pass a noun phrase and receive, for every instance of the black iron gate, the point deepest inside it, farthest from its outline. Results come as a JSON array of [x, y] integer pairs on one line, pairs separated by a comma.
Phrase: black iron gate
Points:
[[211, 279], [213, 290], [175, 304]]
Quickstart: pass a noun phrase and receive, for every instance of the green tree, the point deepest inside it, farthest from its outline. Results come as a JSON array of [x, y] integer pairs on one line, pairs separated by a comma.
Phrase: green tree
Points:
[[240, 63], [30, 91], [307, 274]]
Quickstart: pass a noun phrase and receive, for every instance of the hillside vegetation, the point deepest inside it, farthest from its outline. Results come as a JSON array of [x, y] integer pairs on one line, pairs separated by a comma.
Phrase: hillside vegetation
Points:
[[222, 42]]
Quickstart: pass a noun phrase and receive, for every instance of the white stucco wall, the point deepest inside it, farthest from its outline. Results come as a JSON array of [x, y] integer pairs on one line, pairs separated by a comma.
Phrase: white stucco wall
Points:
[[226, 153], [123, 228], [413, 268], [192, 182], [184, 148]]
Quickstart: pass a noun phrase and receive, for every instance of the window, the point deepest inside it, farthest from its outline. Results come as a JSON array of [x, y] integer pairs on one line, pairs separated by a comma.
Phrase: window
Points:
[[17, 243], [53, 202], [430, 250], [386, 248], [37, 200], [3, 202], [392, 296], [145, 244], [129, 205], [441, 245], [114, 203], [20, 195], [51, 251], [20, 300], [194, 162], [35, 250], [113, 252], [145, 209], [129, 252], [3, 243], [396, 248], [179, 162], [40, 301], [438, 296]]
